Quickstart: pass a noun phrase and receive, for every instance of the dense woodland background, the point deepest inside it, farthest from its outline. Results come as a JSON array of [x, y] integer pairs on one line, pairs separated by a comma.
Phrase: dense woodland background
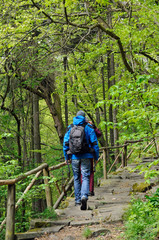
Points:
[[58, 57]]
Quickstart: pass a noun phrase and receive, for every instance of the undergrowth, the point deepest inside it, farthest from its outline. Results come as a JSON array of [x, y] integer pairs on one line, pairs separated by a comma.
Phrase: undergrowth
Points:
[[87, 233], [48, 213], [141, 220]]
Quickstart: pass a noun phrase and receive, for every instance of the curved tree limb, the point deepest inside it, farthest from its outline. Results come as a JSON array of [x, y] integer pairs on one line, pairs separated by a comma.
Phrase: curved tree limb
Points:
[[33, 90], [148, 56], [115, 37]]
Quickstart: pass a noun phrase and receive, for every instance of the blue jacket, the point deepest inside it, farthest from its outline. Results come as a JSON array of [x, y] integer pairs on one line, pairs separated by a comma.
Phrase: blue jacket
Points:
[[90, 136]]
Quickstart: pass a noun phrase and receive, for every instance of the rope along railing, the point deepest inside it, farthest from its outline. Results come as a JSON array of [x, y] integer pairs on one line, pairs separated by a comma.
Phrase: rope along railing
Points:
[[46, 170]]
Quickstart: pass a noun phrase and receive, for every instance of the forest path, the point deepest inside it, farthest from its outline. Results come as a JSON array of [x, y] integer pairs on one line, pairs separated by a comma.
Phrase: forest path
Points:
[[105, 209]]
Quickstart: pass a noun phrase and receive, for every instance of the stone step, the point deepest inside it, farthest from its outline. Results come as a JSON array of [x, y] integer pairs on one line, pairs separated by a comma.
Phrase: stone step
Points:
[[35, 233], [45, 223]]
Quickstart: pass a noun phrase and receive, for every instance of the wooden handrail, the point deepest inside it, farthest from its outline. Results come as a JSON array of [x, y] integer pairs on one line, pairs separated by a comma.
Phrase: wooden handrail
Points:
[[13, 181], [114, 147], [134, 141], [45, 165], [57, 166], [115, 160], [21, 198], [124, 154], [148, 145], [63, 193]]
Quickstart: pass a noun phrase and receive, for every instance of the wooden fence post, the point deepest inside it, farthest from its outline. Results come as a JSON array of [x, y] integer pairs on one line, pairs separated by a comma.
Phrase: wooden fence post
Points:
[[10, 222], [63, 193], [47, 188], [125, 151], [124, 157], [105, 163]]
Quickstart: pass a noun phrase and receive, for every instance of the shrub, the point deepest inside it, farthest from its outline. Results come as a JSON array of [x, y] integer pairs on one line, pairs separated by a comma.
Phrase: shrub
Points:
[[87, 232], [48, 213], [141, 219]]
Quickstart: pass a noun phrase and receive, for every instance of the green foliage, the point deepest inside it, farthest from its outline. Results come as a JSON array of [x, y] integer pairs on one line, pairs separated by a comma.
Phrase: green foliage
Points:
[[141, 219], [48, 213], [33, 45], [137, 121], [148, 172], [22, 221], [154, 199], [87, 232], [9, 169], [98, 172], [3, 234], [7, 140]]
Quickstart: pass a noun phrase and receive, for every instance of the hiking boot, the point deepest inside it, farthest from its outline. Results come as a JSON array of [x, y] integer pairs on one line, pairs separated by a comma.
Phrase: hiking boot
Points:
[[91, 193], [83, 203]]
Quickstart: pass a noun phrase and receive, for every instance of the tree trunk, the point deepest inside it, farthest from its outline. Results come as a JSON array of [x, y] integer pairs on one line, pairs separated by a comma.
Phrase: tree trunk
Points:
[[37, 146], [24, 144], [105, 111], [32, 163], [104, 99], [111, 82], [37, 203], [10, 221], [55, 110], [52, 98], [65, 90]]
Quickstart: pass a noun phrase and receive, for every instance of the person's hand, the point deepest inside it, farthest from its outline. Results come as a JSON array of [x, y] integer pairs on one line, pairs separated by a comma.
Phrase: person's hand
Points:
[[97, 161], [68, 161]]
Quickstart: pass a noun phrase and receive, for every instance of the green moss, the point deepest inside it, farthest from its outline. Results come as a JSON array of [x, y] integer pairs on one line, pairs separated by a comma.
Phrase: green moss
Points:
[[141, 187], [42, 224], [34, 230], [65, 203]]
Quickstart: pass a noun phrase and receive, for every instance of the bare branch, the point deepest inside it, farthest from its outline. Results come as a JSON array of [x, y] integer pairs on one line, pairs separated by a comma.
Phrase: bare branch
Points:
[[35, 91], [155, 81], [46, 15], [148, 56], [65, 12]]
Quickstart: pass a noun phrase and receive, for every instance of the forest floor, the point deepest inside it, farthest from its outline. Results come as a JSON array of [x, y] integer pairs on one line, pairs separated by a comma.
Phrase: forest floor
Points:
[[114, 232]]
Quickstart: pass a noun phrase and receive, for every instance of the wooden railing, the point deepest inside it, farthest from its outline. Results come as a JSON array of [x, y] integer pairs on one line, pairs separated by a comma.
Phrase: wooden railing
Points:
[[124, 154], [12, 206]]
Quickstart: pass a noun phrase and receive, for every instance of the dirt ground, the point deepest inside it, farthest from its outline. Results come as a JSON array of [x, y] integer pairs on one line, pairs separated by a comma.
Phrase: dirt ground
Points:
[[77, 233]]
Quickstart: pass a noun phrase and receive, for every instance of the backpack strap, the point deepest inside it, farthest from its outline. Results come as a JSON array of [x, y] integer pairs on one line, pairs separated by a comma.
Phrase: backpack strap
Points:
[[84, 124], [69, 127]]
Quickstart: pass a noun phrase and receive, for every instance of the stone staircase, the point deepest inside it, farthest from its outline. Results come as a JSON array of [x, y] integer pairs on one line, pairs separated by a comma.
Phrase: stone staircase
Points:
[[111, 199]]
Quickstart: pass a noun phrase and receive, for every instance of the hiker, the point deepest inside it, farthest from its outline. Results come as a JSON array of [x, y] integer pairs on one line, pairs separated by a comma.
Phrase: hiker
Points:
[[92, 170], [80, 150]]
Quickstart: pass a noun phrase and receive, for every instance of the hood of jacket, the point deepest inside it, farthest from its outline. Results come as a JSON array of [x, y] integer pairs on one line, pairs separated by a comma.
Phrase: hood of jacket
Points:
[[78, 120]]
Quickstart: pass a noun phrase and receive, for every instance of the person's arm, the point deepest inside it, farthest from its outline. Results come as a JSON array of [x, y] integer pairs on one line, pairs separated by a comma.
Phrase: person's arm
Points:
[[66, 145], [97, 131], [94, 143]]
